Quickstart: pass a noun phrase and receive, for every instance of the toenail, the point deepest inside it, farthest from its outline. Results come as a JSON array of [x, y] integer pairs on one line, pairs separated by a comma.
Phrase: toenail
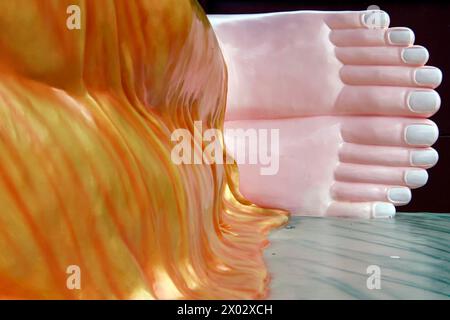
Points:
[[424, 101], [415, 55], [416, 178], [424, 158], [376, 19], [421, 134], [401, 36], [399, 195], [428, 76], [383, 210]]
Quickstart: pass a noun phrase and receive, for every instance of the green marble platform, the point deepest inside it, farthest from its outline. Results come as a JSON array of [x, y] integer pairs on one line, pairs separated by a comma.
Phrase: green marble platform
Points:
[[327, 258]]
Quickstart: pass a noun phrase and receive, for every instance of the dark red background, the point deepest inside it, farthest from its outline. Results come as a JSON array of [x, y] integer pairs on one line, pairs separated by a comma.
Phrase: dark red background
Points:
[[430, 21]]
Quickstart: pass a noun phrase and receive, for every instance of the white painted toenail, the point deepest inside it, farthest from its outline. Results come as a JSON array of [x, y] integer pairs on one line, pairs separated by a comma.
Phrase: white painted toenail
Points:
[[376, 19], [383, 210], [424, 158], [399, 195], [428, 76], [424, 101], [416, 178], [401, 36], [415, 55], [421, 134]]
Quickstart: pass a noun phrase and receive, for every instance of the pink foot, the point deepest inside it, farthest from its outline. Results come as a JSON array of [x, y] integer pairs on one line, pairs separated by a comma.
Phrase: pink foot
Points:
[[340, 166]]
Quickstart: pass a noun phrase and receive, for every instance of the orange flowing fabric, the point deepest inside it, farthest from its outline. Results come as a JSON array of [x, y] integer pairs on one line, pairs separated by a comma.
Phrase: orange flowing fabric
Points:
[[86, 177]]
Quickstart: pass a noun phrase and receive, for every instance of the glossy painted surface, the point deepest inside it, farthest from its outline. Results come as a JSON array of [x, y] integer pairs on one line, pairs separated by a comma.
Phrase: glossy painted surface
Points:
[[86, 175], [327, 258]]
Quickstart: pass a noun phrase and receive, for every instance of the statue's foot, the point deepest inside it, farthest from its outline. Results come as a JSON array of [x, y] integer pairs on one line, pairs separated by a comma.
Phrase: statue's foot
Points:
[[307, 63], [338, 166], [322, 71]]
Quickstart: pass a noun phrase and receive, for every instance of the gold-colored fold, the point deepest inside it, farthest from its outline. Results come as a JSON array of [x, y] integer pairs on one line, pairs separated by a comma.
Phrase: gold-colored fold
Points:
[[86, 177]]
